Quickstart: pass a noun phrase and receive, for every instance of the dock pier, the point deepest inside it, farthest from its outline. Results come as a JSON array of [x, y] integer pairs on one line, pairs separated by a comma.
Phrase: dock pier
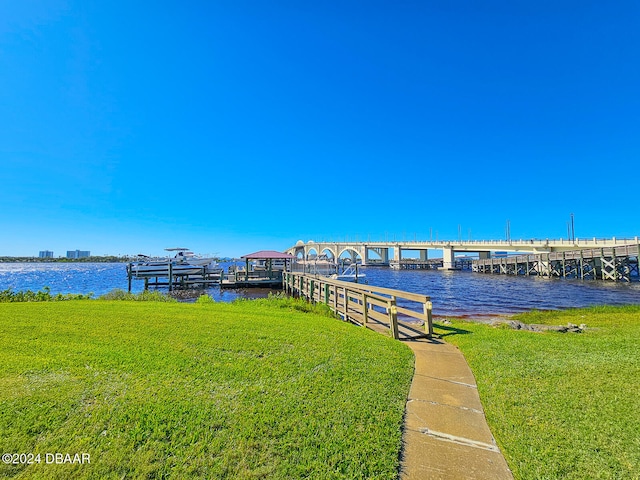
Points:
[[404, 315], [430, 264], [263, 269], [613, 263], [172, 279]]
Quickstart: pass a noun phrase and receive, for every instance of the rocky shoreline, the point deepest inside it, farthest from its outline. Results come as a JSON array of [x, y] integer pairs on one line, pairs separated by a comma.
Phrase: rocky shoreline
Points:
[[517, 325]]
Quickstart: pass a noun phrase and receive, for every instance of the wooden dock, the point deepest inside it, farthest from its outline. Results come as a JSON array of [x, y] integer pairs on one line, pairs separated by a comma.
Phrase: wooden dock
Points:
[[253, 279], [429, 264], [416, 264], [173, 280], [613, 263], [404, 315], [262, 269]]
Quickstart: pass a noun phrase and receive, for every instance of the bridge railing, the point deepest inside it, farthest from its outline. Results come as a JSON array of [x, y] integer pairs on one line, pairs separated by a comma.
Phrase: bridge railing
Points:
[[361, 304], [619, 251], [536, 242]]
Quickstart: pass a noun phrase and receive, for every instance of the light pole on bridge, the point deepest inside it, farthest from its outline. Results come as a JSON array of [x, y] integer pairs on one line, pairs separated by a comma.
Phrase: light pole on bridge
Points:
[[573, 229]]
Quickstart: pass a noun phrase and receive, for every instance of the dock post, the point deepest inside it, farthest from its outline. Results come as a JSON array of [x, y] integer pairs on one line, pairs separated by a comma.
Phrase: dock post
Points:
[[428, 326], [365, 310], [393, 318], [129, 268], [547, 266], [346, 305], [170, 276]]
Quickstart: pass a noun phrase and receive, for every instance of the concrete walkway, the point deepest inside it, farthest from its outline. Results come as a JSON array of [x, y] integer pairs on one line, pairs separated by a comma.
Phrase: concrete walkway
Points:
[[446, 435]]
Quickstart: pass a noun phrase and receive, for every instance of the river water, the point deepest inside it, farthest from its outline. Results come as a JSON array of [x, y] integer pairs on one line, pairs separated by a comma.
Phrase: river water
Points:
[[453, 293]]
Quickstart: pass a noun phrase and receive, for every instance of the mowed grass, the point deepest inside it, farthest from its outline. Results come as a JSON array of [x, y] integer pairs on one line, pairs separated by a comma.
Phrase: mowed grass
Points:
[[561, 405], [253, 389]]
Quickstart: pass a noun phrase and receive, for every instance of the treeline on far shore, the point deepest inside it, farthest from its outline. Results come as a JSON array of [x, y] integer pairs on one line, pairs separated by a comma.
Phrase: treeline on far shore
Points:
[[92, 259]]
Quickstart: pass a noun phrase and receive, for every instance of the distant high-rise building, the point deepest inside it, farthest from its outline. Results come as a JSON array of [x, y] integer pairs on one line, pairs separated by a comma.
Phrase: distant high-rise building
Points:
[[45, 254], [78, 253]]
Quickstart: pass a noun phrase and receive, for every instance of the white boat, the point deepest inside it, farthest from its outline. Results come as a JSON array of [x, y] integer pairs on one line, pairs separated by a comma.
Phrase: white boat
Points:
[[319, 265], [349, 274], [183, 263], [327, 267], [186, 256]]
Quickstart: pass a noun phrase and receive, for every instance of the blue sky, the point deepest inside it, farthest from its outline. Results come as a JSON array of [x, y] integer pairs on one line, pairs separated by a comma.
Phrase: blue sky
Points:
[[234, 126]]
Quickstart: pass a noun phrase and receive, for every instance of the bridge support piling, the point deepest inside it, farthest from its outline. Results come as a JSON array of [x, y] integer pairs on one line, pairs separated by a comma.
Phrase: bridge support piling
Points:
[[448, 255]]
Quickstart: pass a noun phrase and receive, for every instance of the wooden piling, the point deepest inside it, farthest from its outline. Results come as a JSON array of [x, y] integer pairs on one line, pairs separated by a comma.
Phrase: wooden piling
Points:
[[393, 318], [428, 324]]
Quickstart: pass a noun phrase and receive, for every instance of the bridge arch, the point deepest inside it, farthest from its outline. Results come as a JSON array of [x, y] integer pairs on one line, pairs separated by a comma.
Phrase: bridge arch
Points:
[[353, 254], [329, 252], [299, 250]]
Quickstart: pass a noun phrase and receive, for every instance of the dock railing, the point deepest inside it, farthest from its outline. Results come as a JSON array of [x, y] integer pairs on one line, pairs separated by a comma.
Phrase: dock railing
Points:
[[607, 263], [361, 303]]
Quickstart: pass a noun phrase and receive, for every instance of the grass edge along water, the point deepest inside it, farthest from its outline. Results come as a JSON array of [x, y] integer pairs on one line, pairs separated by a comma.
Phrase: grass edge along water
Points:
[[560, 405], [260, 388]]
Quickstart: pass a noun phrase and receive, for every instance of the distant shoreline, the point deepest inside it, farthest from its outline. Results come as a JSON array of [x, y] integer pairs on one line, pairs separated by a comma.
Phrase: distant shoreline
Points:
[[92, 259]]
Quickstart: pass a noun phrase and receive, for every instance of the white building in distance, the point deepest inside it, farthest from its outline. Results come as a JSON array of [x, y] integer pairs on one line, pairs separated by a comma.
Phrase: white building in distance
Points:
[[78, 253]]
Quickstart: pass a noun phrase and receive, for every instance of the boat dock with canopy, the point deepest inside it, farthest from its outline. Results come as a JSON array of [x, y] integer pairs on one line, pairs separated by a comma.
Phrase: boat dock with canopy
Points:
[[261, 269]]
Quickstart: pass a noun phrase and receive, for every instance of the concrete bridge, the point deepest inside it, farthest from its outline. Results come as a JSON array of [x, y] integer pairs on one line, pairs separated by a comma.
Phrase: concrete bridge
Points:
[[485, 248]]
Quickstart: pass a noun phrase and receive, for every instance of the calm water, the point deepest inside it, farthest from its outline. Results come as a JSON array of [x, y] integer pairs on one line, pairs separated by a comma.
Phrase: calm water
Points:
[[452, 293]]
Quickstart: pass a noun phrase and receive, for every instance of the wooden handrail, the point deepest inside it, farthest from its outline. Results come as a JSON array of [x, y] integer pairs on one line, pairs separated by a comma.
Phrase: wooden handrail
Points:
[[359, 303]]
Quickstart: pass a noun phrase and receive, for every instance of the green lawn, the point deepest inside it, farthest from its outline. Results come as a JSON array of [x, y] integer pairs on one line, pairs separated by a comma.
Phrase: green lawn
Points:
[[561, 405], [258, 389]]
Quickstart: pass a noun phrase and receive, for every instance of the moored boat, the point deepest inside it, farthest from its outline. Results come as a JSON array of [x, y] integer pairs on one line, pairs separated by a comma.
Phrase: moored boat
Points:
[[183, 263], [349, 274]]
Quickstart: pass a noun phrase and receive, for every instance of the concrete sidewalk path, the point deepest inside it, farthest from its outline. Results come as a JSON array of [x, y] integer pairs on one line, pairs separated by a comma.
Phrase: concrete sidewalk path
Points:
[[446, 435]]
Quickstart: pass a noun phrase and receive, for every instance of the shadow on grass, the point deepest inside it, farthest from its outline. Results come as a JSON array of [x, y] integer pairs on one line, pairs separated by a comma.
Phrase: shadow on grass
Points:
[[448, 330]]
